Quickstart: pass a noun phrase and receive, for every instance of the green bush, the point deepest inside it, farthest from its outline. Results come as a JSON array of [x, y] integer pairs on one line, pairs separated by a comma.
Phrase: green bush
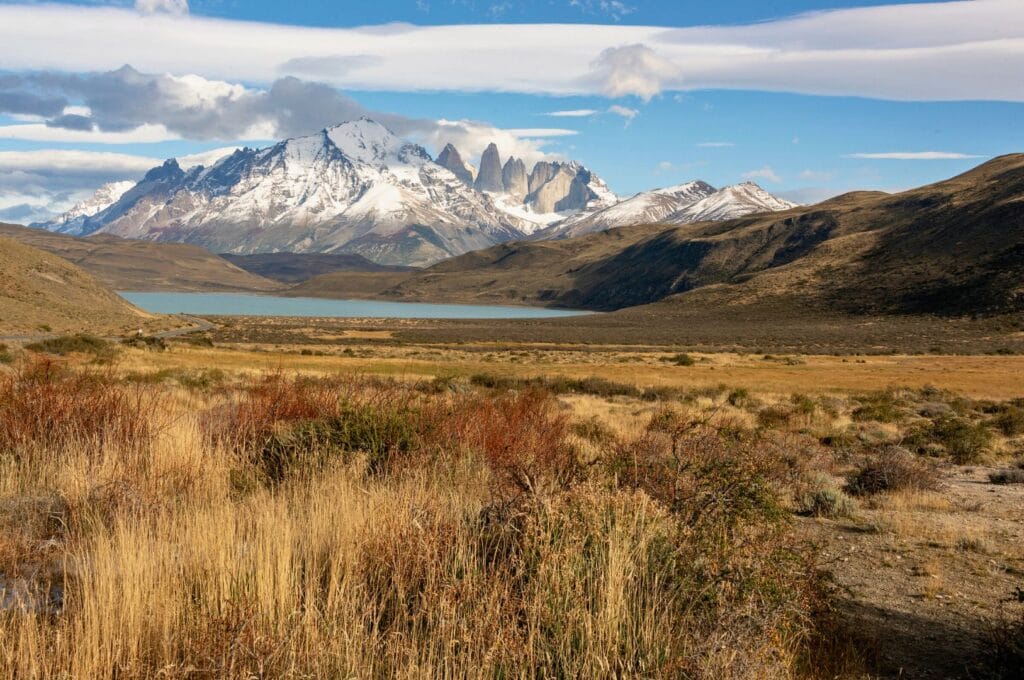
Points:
[[682, 360], [1010, 421], [881, 407], [145, 342], [962, 440], [80, 343], [5, 354], [827, 501]]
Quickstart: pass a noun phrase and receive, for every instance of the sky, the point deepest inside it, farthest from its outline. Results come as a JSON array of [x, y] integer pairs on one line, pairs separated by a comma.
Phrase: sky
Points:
[[807, 98]]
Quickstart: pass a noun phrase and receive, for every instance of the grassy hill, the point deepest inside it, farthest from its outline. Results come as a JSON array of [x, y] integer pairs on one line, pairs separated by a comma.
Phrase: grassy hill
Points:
[[40, 292], [952, 248], [299, 267], [125, 264]]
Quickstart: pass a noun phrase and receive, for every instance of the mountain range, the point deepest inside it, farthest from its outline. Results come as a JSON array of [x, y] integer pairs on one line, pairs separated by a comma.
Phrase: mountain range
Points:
[[358, 188], [948, 249]]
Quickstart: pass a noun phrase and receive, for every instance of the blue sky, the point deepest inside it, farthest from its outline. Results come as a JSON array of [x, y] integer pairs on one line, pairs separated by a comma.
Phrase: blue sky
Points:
[[859, 94]]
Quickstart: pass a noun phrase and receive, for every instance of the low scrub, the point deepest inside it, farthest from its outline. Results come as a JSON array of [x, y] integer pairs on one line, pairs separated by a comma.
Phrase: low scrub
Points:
[[961, 439], [823, 498], [81, 343], [1010, 420], [1009, 476], [562, 385], [150, 342], [43, 405], [892, 469], [882, 407]]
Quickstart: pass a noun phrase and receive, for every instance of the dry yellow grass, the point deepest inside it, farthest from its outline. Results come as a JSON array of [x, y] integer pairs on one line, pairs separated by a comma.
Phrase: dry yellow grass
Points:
[[166, 559], [987, 377]]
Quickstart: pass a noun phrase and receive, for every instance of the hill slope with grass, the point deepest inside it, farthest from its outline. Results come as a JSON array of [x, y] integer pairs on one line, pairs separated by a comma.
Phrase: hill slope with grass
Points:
[[298, 267], [953, 248], [40, 292], [125, 264]]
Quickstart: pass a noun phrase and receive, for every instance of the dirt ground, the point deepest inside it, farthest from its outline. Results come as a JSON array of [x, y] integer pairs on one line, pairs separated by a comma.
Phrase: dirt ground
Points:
[[926, 577]]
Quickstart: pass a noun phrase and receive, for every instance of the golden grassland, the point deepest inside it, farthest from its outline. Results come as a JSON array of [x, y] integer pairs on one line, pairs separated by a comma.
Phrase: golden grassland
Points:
[[227, 512], [988, 377]]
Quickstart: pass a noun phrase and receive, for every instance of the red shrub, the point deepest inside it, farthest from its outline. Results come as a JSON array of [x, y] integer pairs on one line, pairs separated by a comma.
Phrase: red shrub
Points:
[[523, 438], [45, 405]]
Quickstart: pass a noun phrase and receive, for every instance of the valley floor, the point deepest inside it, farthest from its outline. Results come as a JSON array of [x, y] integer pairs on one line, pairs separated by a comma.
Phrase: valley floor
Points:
[[241, 501]]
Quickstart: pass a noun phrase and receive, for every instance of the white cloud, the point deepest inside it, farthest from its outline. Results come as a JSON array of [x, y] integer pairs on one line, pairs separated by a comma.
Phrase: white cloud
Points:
[[715, 145], [623, 112], [914, 156], [40, 132], [206, 158], [472, 137], [766, 173], [177, 7], [541, 132], [959, 50], [64, 160], [633, 70], [574, 113], [817, 176]]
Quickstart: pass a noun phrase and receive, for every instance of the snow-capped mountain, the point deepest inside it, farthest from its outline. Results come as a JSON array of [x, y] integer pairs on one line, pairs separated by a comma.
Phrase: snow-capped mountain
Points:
[[356, 187], [73, 221], [646, 207], [694, 201], [729, 203]]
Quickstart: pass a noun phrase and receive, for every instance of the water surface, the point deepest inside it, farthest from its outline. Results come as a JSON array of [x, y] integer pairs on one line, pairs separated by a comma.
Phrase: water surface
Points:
[[240, 304]]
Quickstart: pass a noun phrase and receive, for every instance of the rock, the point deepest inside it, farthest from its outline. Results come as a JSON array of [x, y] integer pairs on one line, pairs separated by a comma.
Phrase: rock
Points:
[[514, 179], [489, 178], [451, 158]]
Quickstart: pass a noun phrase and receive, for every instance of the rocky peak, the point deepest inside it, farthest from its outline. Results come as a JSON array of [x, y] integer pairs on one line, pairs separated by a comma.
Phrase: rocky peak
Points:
[[169, 171], [489, 178], [451, 159], [541, 173], [514, 179]]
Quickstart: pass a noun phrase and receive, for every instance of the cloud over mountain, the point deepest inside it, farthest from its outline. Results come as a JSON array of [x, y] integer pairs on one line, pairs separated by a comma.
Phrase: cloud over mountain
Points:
[[889, 52]]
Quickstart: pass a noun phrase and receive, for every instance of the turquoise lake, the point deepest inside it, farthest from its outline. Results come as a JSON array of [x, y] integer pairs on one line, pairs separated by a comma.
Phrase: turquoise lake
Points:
[[237, 304]]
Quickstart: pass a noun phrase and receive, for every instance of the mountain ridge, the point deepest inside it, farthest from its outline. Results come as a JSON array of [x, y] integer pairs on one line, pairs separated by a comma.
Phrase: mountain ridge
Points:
[[351, 188], [951, 248]]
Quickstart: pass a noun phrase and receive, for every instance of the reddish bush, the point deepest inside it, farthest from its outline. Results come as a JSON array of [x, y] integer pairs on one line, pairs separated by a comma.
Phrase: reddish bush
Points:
[[44, 405], [523, 438]]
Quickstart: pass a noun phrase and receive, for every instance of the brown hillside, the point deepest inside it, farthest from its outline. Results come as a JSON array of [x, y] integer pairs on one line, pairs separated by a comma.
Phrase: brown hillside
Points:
[[125, 264], [953, 248], [40, 292]]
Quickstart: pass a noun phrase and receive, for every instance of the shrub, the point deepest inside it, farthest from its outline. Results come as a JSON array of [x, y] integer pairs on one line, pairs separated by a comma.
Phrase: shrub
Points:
[[774, 416], [826, 501], [380, 433], [682, 360], [594, 431], [803, 404], [522, 437], [740, 398], [81, 343], [964, 441], [881, 407], [197, 340], [285, 423], [1009, 476], [150, 342], [893, 469], [44, 405], [5, 354], [1010, 421]]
